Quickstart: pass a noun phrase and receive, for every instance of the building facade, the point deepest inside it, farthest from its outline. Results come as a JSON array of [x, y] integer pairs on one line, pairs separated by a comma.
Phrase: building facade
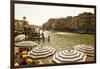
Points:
[[21, 24], [85, 22], [82, 23]]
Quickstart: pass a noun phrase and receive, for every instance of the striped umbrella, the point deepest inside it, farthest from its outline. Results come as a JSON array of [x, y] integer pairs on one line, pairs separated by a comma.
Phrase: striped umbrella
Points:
[[68, 56], [41, 52], [89, 50]]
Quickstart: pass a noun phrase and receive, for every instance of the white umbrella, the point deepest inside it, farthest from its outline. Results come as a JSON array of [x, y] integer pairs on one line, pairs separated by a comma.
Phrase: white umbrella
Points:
[[89, 50], [25, 43], [68, 56], [20, 37], [41, 52]]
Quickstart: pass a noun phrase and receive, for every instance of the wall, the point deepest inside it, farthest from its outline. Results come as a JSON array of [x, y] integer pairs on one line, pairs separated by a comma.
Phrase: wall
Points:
[[5, 35]]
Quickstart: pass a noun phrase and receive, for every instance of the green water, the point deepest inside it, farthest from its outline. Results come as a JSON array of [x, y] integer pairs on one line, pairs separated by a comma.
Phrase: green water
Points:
[[65, 40]]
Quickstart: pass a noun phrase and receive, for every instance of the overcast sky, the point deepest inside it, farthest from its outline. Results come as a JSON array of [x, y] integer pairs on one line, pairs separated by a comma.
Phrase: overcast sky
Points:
[[39, 14]]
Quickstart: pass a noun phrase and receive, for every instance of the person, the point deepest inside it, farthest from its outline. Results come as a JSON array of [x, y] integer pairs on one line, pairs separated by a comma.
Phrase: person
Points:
[[23, 61], [33, 34], [25, 32], [29, 61], [43, 37], [48, 38], [29, 33]]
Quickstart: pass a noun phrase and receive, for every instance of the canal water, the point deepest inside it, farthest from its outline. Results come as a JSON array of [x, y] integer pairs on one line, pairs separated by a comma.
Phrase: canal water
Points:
[[65, 40]]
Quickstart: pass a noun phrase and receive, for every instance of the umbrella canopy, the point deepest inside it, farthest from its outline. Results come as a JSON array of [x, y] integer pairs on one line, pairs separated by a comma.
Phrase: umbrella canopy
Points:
[[89, 50], [20, 37], [68, 56], [26, 43], [41, 52]]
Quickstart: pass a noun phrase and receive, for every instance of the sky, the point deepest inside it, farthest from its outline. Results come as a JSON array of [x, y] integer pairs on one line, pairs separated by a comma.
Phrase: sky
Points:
[[39, 14]]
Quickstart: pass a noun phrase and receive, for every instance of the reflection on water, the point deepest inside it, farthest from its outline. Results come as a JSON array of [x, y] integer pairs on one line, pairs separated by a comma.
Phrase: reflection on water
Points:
[[63, 40]]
